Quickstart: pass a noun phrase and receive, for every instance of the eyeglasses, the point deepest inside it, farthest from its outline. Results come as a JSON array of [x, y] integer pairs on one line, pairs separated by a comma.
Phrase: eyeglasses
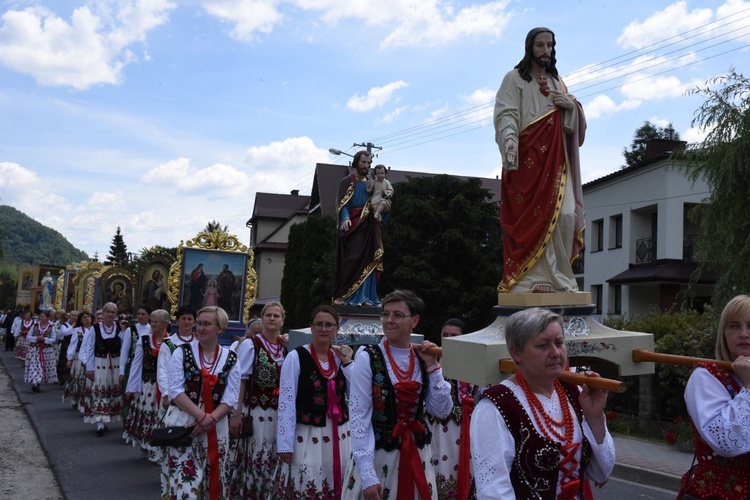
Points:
[[396, 316], [203, 324], [324, 326]]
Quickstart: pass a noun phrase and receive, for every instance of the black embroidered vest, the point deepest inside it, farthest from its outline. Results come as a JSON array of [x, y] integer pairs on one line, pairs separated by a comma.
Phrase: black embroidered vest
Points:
[[312, 392], [264, 381], [536, 466], [148, 370], [193, 377], [384, 403], [104, 347]]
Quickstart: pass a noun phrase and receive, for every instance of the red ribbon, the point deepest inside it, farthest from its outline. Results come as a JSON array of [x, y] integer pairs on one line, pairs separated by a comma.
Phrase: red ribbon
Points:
[[569, 466], [464, 450], [207, 389], [334, 414], [410, 468]]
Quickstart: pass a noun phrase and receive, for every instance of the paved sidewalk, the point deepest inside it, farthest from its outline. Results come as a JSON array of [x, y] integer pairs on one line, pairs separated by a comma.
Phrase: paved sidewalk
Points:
[[650, 463]]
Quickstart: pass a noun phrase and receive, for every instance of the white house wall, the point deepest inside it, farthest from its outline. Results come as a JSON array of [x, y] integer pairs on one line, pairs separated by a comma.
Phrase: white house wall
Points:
[[636, 195]]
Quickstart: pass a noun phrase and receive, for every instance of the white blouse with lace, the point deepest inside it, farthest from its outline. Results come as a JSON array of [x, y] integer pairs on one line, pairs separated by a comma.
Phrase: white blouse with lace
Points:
[[493, 447], [722, 421], [286, 422], [438, 402]]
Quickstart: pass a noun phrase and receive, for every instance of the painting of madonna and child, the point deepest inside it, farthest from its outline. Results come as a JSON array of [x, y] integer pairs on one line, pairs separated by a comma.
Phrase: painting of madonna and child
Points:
[[213, 278]]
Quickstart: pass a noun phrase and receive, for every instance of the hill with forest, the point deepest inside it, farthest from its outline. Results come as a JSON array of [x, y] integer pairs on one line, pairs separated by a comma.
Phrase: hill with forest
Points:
[[25, 241]]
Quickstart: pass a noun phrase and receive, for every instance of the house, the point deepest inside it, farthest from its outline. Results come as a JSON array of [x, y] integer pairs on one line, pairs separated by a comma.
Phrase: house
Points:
[[274, 214], [641, 247]]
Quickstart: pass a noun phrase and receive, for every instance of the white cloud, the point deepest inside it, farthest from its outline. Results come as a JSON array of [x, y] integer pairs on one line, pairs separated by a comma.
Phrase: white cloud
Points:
[[91, 49], [694, 135], [673, 20], [417, 22], [246, 16], [659, 122], [653, 88], [273, 165], [603, 105], [480, 97], [376, 97], [13, 175], [212, 180], [389, 117]]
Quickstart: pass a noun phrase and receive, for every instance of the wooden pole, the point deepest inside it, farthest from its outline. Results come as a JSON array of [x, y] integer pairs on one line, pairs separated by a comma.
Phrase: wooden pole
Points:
[[641, 355], [509, 366]]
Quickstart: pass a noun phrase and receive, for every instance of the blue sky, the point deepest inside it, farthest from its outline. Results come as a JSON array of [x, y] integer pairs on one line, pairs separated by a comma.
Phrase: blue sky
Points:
[[159, 115]]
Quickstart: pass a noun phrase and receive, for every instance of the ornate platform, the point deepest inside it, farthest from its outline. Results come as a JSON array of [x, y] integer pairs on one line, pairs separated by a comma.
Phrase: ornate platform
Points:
[[474, 357]]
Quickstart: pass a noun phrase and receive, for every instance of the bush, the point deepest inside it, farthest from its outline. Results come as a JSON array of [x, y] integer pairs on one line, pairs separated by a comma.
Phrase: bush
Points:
[[686, 333]]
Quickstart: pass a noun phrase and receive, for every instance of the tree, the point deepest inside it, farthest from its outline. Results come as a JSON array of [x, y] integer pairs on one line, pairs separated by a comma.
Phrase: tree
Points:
[[722, 160], [308, 269], [443, 242], [118, 252], [648, 130], [215, 226]]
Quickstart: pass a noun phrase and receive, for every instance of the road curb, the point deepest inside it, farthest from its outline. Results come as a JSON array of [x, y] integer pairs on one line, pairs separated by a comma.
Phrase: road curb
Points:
[[647, 477]]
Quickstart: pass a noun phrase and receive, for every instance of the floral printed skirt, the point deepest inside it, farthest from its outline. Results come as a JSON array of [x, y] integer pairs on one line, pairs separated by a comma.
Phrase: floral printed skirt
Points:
[[310, 475], [22, 346], [141, 418], [75, 386], [386, 467], [41, 367], [255, 459], [446, 439], [102, 398], [185, 471]]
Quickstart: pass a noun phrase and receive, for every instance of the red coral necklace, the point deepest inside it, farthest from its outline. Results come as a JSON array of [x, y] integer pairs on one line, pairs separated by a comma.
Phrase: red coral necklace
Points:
[[401, 375], [547, 424], [209, 364], [331, 371], [275, 348]]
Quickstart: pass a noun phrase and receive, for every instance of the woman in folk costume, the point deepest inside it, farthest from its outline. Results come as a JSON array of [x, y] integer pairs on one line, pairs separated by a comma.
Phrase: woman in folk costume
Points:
[[41, 358], [142, 390], [185, 317], [260, 367], [718, 401], [22, 345], [76, 383], [204, 382], [392, 384], [313, 422], [130, 337], [100, 352], [533, 436], [451, 455]]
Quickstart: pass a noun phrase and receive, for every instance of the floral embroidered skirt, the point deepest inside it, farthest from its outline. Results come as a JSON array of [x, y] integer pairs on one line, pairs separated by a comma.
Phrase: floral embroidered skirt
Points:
[[41, 365], [386, 467], [254, 462], [446, 439], [102, 398], [76, 384], [141, 418], [22, 346], [185, 470], [310, 475]]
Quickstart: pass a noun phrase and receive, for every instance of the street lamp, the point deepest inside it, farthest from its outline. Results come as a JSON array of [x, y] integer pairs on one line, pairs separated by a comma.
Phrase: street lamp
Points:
[[338, 152]]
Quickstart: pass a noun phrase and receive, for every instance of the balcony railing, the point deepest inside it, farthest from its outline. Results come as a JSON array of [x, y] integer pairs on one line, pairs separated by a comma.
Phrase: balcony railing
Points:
[[645, 251]]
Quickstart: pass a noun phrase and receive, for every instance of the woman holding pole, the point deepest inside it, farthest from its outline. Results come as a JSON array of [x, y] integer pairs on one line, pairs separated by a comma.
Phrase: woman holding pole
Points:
[[718, 401], [533, 436]]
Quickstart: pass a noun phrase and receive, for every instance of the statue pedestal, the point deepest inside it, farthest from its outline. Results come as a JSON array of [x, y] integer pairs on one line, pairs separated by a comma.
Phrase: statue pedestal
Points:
[[474, 357], [358, 325]]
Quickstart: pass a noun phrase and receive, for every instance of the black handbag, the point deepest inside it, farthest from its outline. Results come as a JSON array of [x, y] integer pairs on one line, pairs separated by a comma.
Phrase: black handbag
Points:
[[247, 427], [177, 436]]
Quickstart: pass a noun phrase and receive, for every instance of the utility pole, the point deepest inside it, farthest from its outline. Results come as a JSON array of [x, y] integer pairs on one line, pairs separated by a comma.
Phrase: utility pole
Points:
[[370, 146]]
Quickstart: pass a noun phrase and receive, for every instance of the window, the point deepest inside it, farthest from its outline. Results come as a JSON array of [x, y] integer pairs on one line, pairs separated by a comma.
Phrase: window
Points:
[[615, 231], [597, 235], [615, 299], [596, 296]]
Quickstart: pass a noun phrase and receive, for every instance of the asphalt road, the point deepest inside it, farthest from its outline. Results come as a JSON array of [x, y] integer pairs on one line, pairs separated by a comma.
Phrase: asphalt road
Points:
[[86, 466]]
